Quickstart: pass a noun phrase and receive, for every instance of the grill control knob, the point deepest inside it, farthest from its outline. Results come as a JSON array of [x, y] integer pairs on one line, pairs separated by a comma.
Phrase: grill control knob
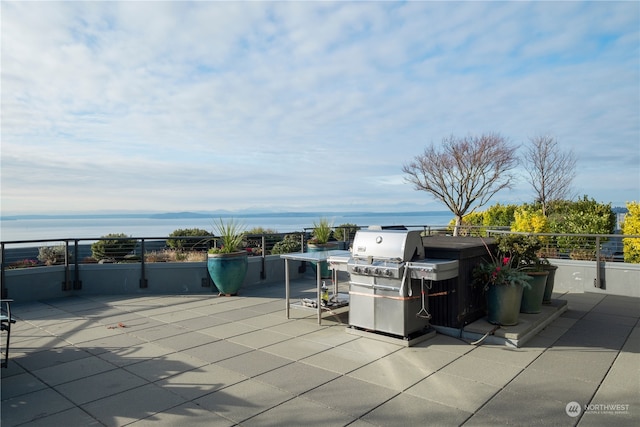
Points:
[[376, 271], [388, 272]]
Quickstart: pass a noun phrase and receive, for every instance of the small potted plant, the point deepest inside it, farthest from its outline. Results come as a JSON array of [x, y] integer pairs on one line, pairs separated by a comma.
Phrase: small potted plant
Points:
[[524, 250], [503, 284], [227, 263], [320, 242]]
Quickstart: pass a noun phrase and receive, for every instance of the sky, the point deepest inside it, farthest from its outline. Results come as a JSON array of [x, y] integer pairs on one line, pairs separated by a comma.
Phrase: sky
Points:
[[303, 106]]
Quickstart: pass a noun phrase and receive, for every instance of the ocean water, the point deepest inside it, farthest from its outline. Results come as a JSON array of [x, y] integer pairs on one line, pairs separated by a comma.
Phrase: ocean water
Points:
[[92, 227]]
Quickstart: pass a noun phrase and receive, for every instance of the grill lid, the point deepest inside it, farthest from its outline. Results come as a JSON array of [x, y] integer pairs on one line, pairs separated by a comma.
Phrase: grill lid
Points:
[[392, 245]]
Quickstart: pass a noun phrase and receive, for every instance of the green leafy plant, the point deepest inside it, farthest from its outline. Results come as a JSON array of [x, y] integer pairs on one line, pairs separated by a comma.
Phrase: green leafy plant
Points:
[[631, 226], [522, 250], [499, 215], [231, 234], [196, 243], [321, 231], [50, 255], [253, 242], [583, 216], [262, 230], [471, 225], [113, 246], [345, 232], [500, 270], [290, 243]]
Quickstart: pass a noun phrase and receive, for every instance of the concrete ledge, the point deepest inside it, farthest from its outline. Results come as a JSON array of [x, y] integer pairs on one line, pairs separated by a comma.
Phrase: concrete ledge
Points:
[[392, 339], [511, 336]]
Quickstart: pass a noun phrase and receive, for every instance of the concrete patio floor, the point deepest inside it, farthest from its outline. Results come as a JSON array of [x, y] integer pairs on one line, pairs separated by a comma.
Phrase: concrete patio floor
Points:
[[203, 360]]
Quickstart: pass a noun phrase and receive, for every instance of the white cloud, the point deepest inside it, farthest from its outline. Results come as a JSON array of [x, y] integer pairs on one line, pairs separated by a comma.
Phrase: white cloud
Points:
[[286, 100]]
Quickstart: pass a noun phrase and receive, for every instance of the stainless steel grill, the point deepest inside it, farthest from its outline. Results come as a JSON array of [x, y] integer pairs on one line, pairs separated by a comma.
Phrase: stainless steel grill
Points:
[[387, 290]]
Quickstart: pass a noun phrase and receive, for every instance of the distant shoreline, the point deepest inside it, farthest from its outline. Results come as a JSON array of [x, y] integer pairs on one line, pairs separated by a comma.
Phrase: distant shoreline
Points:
[[188, 215]]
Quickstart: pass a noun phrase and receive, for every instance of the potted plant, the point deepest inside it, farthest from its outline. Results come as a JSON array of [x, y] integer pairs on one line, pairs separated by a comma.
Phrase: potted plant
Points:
[[524, 250], [544, 254], [320, 242], [503, 285], [551, 279], [227, 263]]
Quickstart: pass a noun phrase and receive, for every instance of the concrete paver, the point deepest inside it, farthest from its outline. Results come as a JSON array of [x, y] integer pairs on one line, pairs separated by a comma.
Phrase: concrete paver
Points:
[[237, 361]]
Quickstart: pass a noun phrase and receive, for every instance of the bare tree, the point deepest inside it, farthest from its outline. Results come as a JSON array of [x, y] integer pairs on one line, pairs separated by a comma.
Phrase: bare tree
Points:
[[551, 170], [464, 173]]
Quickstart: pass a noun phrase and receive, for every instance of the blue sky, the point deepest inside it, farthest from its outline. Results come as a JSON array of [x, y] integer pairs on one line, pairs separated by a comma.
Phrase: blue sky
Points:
[[303, 106]]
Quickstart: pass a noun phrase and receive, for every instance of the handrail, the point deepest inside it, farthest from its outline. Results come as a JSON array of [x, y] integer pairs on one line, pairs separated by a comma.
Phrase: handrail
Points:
[[75, 283], [599, 259]]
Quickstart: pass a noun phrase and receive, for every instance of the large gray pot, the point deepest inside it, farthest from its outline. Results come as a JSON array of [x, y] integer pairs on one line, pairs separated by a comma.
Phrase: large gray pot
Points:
[[551, 279], [503, 304], [532, 294]]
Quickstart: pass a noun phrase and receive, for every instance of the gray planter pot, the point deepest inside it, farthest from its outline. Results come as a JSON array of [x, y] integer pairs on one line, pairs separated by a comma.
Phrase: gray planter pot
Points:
[[503, 304], [532, 294]]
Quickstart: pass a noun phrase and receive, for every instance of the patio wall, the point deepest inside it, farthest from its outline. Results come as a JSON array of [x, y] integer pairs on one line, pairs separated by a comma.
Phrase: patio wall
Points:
[[616, 278], [37, 283]]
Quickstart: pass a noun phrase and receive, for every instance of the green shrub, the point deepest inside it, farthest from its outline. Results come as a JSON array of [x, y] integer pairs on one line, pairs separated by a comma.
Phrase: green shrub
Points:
[[113, 246], [583, 216], [345, 232], [530, 219], [290, 243], [199, 242], [261, 230], [254, 244], [51, 255], [522, 250], [499, 215], [471, 225], [631, 226]]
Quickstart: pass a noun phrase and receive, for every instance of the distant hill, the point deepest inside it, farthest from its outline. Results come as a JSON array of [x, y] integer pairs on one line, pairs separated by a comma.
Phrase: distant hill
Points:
[[179, 215]]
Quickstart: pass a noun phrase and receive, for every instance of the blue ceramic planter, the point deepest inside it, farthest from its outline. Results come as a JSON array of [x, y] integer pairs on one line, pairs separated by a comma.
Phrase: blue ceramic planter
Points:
[[325, 273], [228, 271]]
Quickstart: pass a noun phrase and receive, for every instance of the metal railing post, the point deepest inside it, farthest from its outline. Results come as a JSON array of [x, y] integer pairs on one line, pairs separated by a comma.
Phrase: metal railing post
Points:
[[263, 273], [77, 284], [3, 288], [597, 281], [206, 281], [143, 278], [66, 285]]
